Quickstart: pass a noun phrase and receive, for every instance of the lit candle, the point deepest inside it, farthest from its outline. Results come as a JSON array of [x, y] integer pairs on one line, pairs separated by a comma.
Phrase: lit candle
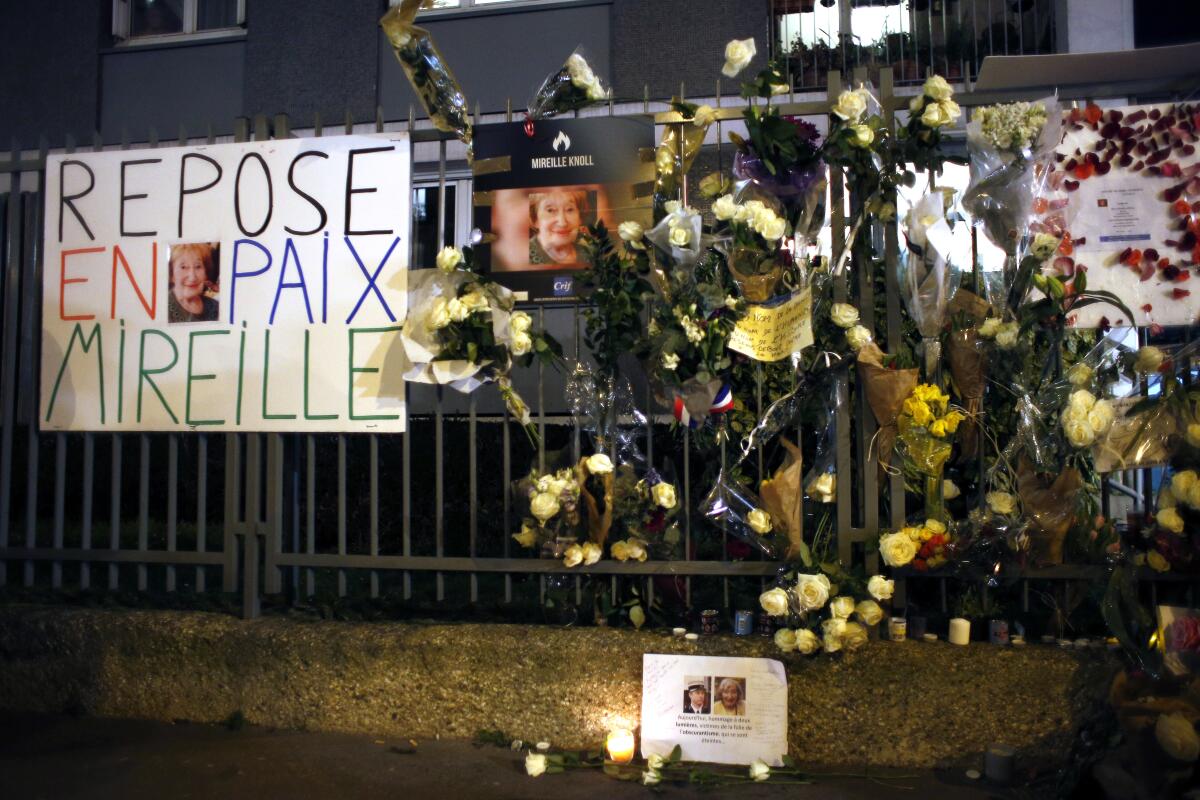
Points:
[[960, 631], [620, 746]]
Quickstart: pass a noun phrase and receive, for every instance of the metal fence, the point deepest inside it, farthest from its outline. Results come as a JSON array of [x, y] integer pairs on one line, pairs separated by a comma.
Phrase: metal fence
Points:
[[423, 515], [950, 37]]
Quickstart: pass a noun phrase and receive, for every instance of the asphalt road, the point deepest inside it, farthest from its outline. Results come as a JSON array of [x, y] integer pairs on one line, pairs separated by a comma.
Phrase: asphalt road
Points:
[[63, 757]]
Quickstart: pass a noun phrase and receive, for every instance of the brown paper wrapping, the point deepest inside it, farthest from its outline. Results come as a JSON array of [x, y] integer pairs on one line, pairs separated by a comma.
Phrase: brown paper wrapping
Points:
[[1050, 506], [886, 390], [968, 373], [970, 305], [783, 498], [598, 522]]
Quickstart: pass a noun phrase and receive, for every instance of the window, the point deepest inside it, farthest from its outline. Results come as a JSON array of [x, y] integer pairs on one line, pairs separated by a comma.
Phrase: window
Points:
[[155, 20], [468, 5]]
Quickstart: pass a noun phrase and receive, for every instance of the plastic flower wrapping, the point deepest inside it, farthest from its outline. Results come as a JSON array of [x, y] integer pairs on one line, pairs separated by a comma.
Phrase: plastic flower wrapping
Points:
[[572, 87], [463, 331], [929, 269], [1011, 148], [440, 94]]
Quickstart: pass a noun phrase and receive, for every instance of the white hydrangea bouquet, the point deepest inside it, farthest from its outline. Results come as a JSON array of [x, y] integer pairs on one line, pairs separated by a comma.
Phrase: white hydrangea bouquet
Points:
[[462, 331], [815, 617]]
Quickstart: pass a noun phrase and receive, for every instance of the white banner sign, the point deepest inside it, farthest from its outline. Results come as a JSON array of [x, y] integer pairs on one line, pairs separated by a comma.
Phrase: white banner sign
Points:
[[255, 287], [721, 710]]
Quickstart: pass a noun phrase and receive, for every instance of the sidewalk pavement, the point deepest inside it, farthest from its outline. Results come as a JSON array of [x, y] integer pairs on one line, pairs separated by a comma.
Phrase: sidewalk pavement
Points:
[[63, 757]]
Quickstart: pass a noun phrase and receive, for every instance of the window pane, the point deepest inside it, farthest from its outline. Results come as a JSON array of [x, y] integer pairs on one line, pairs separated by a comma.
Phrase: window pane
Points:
[[152, 17], [447, 3], [425, 221], [212, 14]]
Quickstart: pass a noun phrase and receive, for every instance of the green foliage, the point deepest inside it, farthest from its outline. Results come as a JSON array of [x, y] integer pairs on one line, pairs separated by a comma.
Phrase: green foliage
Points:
[[617, 290]]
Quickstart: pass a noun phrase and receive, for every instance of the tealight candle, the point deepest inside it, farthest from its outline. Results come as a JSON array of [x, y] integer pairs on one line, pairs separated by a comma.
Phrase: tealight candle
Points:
[[679, 632], [620, 746], [960, 631]]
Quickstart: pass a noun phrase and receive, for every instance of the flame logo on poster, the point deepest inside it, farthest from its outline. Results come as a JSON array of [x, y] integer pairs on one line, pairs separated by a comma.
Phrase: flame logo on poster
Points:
[[561, 143]]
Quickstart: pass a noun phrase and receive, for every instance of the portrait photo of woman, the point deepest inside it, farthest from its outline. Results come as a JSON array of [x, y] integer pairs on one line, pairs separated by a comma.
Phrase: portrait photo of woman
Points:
[[193, 282], [730, 698], [539, 229]]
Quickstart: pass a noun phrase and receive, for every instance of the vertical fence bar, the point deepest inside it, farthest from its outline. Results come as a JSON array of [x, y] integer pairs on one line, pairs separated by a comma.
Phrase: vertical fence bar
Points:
[[373, 479], [11, 207], [114, 506], [310, 510], [473, 493], [60, 502], [172, 503], [143, 540], [201, 505], [341, 511], [29, 322], [85, 521]]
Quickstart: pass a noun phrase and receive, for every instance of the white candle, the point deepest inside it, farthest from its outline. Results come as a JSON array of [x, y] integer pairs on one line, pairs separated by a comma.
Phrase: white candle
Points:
[[960, 631]]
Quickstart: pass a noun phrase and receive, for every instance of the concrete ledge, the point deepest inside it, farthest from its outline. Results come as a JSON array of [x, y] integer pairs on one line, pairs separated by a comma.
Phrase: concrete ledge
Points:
[[904, 705]]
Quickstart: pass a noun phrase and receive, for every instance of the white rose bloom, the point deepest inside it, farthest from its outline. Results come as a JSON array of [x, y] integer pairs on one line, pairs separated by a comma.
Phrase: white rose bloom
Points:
[[520, 322], [535, 764], [1006, 338], [785, 639], [1080, 375], [990, 327], [881, 588], [656, 762], [850, 106], [897, 549], [544, 505], [1044, 245], [1101, 416], [1170, 519], [916, 104], [951, 109], [632, 233], [863, 135], [520, 344], [1182, 483], [672, 206], [651, 777], [774, 601], [636, 549], [1082, 400], [663, 494], [599, 464], [457, 309], [858, 337], [448, 259], [1001, 502], [779, 88], [573, 556], [738, 53], [842, 607], [935, 116], [725, 208], [832, 630], [591, 553], [937, 88], [807, 642], [619, 551], [854, 636], [439, 315], [950, 489], [705, 115], [543, 484], [812, 591], [774, 229], [1193, 435], [759, 771], [869, 612], [844, 315], [680, 236], [759, 521], [823, 488], [1079, 432], [1176, 735], [1149, 359], [670, 361]]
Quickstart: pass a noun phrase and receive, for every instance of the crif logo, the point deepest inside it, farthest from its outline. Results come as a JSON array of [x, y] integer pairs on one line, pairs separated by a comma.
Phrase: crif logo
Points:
[[563, 285], [561, 143]]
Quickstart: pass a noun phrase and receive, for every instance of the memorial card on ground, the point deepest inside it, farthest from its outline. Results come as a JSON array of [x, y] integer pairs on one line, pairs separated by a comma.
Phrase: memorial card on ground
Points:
[[721, 710]]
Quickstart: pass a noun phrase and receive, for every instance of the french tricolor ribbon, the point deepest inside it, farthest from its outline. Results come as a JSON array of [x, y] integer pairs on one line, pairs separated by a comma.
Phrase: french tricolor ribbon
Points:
[[681, 414], [723, 401]]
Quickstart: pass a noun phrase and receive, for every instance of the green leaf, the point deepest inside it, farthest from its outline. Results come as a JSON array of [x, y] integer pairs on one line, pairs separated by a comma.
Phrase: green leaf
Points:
[[676, 755]]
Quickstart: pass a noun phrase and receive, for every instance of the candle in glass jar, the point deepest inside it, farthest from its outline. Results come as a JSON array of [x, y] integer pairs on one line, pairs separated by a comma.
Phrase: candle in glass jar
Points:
[[620, 746], [960, 631]]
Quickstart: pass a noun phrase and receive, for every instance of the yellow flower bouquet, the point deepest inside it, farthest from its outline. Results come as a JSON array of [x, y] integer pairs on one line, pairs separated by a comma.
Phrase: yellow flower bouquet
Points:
[[926, 425]]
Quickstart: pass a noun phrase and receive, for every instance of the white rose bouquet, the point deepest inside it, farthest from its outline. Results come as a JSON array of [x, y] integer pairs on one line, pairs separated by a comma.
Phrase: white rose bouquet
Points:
[[572, 87], [552, 521], [752, 240], [929, 272], [463, 330], [817, 612]]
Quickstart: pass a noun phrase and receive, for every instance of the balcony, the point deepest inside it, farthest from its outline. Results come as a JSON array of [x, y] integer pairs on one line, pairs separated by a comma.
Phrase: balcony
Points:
[[913, 37]]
